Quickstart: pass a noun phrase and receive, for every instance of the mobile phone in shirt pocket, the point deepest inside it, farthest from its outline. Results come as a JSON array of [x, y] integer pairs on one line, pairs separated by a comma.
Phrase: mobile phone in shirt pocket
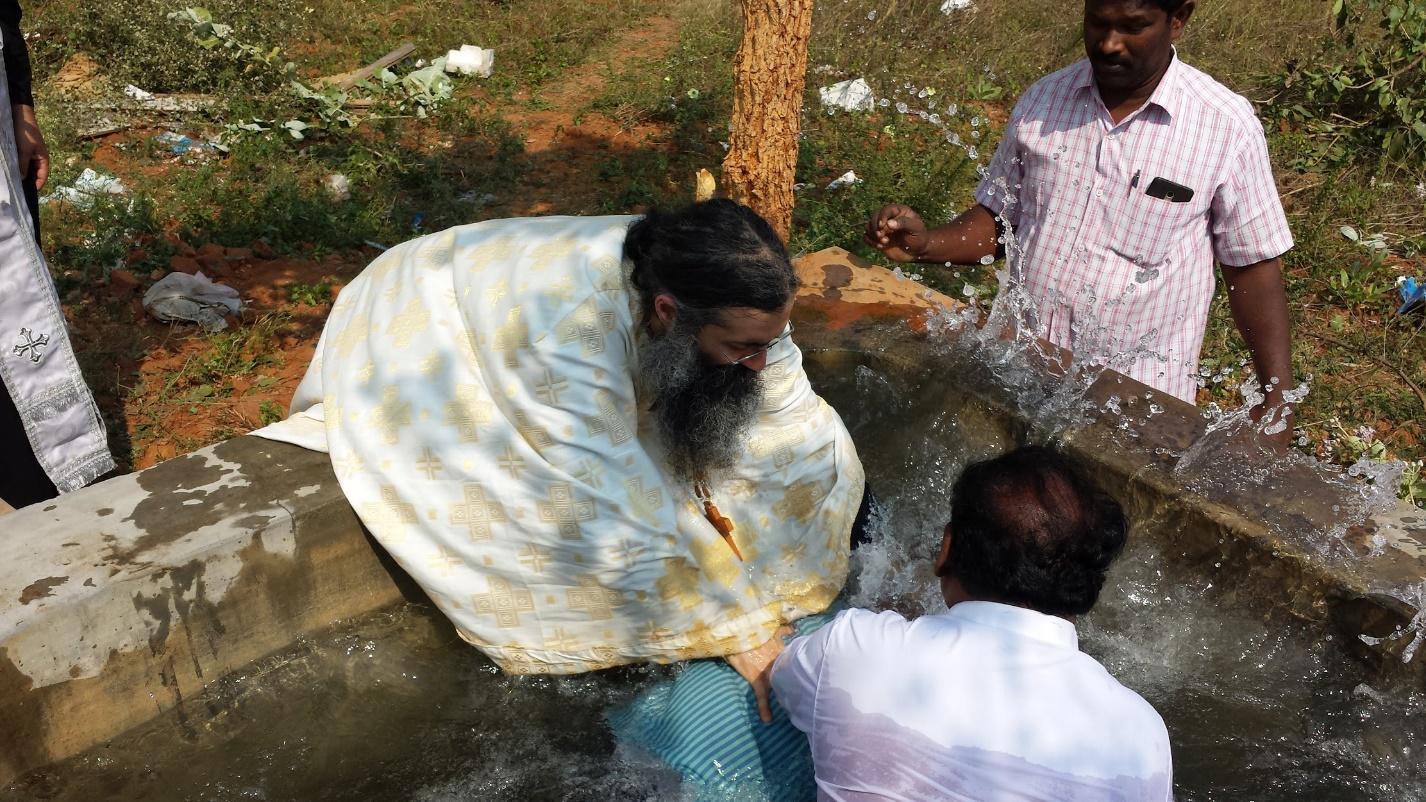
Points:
[[1150, 228]]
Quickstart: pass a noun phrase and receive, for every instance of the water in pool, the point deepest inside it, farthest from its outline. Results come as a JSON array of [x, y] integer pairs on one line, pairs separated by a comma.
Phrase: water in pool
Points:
[[395, 707]]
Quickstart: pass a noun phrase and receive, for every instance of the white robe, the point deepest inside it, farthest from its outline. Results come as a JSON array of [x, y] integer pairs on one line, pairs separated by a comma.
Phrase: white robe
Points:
[[479, 405], [37, 363]]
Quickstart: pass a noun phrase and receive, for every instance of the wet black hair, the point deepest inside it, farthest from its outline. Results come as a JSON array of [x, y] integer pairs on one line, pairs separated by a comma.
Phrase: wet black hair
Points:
[[1028, 529], [1169, 7], [709, 256]]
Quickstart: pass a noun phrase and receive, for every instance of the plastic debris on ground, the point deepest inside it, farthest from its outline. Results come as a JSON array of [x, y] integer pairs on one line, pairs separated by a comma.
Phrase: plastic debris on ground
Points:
[[137, 93], [192, 298], [339, 187], [850, 95], [425, 88], [185, 145], [1413, 294], [471, 60], [88, 186], [847, 179], [949, 7]]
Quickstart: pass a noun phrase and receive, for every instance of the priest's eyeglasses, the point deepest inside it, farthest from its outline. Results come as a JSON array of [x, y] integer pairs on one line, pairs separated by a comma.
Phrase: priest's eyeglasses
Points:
[[754, 355]]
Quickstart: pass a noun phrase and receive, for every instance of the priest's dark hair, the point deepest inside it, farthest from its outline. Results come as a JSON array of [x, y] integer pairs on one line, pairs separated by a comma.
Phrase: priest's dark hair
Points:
[[1027, 528], [711, 255]]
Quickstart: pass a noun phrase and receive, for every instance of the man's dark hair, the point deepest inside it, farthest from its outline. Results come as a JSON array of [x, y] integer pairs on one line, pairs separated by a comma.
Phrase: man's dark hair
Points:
[[1169, 6], [1028, 529], [709, 256]]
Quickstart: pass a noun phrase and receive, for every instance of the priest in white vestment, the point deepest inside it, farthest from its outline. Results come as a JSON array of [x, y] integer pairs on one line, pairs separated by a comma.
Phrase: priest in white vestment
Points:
[[590, 440]]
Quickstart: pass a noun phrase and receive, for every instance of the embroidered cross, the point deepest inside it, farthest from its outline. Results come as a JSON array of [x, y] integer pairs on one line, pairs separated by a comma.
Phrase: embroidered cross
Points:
[[534, 558], [590, 473], [588, 325], [779, 446], [537, 436], [512, 337], [627, 553], [467, 413], [594, 598], [478, 513], [609, 422], [411, 321], [391, 415], [512, 463], [32, 345], [504, 602], [645, 503], [391, 514], [566, 509], [429, 464], [443, 561], [561, 641], [549, 388]]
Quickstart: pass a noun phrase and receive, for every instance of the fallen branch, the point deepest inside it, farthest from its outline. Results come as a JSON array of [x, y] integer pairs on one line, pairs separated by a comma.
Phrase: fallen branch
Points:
[[347, 80]]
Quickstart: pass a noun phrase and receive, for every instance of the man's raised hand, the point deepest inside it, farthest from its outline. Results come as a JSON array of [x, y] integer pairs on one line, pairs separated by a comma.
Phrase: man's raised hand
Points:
[[899, 232]]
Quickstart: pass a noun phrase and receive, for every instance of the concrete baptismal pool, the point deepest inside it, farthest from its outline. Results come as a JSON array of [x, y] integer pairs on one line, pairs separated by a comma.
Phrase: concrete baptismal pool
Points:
[[219, 627]]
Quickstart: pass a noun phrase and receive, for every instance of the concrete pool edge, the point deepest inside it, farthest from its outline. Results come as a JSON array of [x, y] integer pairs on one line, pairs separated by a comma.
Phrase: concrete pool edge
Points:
[[125, 600]]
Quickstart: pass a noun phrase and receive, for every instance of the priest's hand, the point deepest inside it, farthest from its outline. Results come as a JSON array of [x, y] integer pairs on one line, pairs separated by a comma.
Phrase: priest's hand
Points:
[[30, 145], [756, 667]]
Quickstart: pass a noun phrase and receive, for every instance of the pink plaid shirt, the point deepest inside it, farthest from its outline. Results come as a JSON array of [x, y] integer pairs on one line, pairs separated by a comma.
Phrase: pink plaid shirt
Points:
[[1115, 275]]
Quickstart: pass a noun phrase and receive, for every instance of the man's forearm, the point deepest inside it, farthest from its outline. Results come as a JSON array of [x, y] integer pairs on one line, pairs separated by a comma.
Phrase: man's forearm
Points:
[[963, 241], [1258, 301]]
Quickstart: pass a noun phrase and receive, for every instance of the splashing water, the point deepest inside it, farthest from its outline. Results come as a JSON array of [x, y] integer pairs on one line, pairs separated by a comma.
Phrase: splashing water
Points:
[[1017, 361], [1416, 627]]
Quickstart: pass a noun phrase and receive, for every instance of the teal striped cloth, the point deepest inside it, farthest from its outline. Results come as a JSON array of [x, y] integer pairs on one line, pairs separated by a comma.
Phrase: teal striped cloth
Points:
[[704, 723]]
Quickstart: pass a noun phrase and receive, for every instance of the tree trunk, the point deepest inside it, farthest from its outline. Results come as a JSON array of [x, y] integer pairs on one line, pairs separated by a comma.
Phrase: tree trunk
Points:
[[771, 72]]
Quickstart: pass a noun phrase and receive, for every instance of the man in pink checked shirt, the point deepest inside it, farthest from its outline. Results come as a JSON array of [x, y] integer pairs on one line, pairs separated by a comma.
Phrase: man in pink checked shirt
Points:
[[1124, 177]]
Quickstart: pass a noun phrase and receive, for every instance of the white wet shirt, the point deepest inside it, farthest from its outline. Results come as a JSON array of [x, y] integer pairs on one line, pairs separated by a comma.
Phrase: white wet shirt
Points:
[[984, 702]]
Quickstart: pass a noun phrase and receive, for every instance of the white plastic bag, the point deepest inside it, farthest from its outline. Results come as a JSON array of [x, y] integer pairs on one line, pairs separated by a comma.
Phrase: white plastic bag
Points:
[[851, 95], [88, 186], [195, 298], [471, 60]]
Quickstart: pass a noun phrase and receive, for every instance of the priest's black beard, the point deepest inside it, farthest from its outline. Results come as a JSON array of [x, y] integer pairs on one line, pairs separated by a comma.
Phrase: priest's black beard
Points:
[[702, 410]]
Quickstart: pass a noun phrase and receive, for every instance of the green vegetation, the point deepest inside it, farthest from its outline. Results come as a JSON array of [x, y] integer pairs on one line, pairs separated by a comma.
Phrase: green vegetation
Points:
[[1339, 87], [310, 294]]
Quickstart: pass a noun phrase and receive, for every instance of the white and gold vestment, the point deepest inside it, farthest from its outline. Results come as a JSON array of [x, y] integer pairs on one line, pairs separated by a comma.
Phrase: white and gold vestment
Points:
[[477, 393]]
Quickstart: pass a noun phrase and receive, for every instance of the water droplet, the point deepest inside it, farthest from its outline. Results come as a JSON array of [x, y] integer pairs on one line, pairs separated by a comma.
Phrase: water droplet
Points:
[[884, 102], [987, 259], [871, 15], [902, 108], [1145, 275]]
